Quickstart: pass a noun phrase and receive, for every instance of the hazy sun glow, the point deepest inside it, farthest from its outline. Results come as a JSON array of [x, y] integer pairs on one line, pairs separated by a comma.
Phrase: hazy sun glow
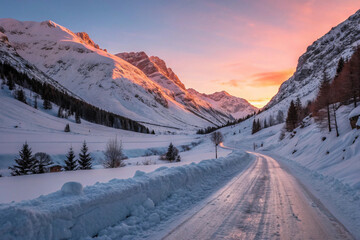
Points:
[[245, 47]]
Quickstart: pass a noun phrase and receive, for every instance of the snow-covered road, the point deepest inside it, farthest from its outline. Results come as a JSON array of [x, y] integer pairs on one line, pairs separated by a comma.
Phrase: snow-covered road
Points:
[[263, 202]]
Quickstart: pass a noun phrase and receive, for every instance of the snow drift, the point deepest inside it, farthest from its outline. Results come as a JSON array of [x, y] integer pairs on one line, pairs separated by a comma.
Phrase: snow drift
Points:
[[73, 212]]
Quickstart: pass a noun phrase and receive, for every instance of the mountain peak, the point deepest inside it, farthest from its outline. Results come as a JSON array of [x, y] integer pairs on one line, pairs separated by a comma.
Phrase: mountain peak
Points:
[[237, 107], [85, 37], [49, 23], [151, 65], [221, 94]]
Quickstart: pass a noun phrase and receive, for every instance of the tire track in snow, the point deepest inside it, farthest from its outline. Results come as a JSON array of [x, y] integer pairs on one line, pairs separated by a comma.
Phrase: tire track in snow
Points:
[[264, 202]]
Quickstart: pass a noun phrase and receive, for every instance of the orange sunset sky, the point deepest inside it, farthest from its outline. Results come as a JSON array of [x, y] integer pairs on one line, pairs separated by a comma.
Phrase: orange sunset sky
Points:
[[246, 47]]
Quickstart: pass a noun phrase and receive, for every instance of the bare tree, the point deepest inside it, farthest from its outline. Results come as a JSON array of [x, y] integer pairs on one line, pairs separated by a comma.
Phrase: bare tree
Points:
[[216, 138], [113, 154], [43, 160]]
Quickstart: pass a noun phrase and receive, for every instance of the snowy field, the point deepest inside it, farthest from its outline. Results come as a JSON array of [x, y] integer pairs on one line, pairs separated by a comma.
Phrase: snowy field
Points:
[[44, 132]]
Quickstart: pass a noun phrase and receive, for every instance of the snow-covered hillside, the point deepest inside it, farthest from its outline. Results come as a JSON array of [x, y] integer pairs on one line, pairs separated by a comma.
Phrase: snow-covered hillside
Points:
[[44, 132], [323, 55], [156, 97], [9, 55]]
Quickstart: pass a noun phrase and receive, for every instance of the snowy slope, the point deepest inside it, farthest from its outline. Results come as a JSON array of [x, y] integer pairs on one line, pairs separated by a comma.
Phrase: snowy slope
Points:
[[9, 55], [235, 106], [322, 55], [156, 69], [100, 78]]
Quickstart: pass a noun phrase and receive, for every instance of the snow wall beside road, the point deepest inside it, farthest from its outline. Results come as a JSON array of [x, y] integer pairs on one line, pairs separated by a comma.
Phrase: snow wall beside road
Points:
[[73, 212]]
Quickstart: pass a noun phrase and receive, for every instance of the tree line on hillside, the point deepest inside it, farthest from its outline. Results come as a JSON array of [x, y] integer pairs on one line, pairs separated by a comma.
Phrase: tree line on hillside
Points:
[[343, 90], [67, 103], [228, 123], [271, 121]]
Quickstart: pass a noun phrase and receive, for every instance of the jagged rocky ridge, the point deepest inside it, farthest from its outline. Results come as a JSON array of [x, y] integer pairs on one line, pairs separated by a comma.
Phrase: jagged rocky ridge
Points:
[[323, 55]]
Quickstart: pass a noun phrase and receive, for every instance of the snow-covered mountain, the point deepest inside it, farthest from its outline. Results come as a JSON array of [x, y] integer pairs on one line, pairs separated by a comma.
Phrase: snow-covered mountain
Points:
[[9, 55], [323, 55], [156, 69], [237, 107], [220, 102], [141, 88]]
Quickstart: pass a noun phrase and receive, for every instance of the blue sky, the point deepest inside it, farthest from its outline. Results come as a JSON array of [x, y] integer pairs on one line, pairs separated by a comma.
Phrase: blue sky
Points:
[[245, 47]]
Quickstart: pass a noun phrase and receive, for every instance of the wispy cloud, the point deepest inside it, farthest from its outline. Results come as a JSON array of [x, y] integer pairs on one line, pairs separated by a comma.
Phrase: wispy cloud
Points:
[[263, 79], [266, 79], [232, 83]]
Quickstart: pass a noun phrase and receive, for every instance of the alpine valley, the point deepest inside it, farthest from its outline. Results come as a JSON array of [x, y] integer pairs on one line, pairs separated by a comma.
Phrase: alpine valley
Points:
[[100, 145]]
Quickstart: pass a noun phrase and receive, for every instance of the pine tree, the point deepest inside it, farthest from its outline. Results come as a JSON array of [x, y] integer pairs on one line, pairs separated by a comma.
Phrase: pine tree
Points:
[[84, 158], [77, 118], [26, 162], [340, 66], [20, 95], [67, 128], [10, 84], [299, 110], [35, 101], [71, 163], [60, 112], [47, 104], [258, 125], [253, 129], [265, 123], [323, 100], [292, 117], [170, 152]]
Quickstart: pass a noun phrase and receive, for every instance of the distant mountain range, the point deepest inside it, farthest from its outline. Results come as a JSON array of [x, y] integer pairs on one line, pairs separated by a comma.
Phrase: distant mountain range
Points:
[[144, 88], [133, 85]]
